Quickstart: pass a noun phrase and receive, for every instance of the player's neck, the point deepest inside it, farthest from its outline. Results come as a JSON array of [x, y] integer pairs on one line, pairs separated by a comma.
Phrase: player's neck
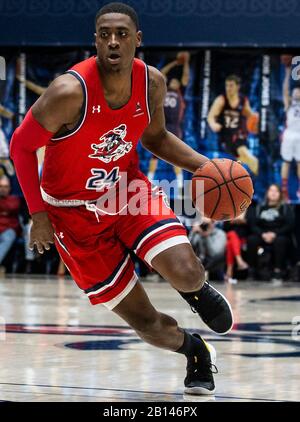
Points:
[[116, 80], [233, 97]]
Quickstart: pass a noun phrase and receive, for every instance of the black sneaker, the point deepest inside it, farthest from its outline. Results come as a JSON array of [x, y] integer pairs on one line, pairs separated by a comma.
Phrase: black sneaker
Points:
[[213, 308], [199, 379]]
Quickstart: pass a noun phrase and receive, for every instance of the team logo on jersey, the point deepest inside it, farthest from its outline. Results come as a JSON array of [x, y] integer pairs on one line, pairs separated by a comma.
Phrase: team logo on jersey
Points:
[[113, 145], [139, 111]]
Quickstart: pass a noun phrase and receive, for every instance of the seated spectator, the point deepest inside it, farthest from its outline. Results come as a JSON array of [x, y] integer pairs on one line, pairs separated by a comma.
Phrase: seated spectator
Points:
[[237, 233], [271, 225], [9, 218], [209, 242]]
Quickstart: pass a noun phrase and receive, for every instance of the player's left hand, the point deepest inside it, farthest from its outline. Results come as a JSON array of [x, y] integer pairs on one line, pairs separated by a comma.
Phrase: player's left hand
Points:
[[41, 233]]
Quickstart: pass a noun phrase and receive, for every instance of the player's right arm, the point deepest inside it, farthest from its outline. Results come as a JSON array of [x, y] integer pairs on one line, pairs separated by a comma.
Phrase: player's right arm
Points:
[[286, 88], [37, 89], [57, 108], [186, 70], [168, 67], [5, 112], [60, 105], [214, 113]]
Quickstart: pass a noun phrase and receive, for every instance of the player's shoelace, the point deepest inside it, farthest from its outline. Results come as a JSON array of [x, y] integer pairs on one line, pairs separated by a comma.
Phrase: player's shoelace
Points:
[[200, 372], [199, 369]]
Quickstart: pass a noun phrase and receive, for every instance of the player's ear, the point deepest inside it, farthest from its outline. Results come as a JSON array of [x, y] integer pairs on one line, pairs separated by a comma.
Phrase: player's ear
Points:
[[139, 38]]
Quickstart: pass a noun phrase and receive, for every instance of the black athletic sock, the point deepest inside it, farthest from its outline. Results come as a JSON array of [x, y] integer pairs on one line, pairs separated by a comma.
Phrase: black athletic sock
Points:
[[192, 295], [191, 345]]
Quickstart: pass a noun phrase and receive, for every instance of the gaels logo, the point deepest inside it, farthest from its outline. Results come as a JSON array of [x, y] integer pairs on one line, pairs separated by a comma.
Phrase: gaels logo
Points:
[[113, 145]]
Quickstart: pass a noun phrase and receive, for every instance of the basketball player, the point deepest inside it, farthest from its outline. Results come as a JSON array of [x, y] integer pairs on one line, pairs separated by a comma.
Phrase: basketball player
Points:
[[174, 111], [227, 117], [174, 102], [290, 147], [91, 119]]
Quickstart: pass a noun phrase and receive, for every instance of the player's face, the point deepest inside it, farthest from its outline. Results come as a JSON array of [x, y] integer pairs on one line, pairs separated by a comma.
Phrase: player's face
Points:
[[232, 88], [116, 41], [174, 85], [273, 194]]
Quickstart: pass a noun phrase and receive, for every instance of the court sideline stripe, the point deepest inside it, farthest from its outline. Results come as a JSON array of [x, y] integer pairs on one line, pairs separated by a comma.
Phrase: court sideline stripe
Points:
[[135, 391]]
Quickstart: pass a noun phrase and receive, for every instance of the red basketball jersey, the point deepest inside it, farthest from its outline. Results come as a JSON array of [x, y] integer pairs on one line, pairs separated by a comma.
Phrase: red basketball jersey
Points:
[[103, 144]]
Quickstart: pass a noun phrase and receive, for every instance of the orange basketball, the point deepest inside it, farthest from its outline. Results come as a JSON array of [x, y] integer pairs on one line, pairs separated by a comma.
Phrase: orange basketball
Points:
[[253, 123], [222, 189], [286, 59], [182, 57]]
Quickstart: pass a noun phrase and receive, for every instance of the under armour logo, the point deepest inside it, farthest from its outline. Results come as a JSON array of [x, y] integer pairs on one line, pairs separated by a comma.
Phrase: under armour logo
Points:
[[96, 109], [61, 235], [138, 111]]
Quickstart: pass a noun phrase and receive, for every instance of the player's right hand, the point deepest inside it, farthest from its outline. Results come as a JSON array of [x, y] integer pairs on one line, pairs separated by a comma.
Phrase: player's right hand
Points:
[[41, 233], [217, 127]]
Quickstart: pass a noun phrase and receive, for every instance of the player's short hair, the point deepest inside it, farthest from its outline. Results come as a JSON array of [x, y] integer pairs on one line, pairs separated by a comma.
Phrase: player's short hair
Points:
[[234, 78], [122, 8]]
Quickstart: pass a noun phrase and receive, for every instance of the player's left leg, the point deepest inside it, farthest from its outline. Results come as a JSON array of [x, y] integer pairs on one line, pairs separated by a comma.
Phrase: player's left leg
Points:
[[287, 152], [246, 157], [184, 271], [297, 158], [161, 330]]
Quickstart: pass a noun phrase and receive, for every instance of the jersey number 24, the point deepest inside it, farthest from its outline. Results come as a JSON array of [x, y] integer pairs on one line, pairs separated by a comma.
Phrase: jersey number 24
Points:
[[101, 179]]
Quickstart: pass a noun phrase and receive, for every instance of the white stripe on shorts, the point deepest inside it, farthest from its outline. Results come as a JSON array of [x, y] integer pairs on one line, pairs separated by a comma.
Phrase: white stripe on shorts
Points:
[[114, 280], [163, 246], [156, 231], [118, 299]]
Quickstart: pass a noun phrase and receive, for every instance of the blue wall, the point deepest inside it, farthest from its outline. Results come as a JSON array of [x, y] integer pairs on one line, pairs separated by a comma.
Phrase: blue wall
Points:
[[164, 22]]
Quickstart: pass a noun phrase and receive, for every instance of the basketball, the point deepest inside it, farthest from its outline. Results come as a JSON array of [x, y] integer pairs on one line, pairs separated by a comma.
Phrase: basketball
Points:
[[253, 123], [182, 57], [226, 190], [286, 59]]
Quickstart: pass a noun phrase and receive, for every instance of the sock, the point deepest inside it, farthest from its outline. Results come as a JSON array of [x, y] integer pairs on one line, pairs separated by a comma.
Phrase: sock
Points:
[[192, 345], [191, 295]]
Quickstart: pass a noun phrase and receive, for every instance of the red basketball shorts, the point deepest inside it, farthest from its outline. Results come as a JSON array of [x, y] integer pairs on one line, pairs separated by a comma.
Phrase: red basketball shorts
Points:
[[95, 248]]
